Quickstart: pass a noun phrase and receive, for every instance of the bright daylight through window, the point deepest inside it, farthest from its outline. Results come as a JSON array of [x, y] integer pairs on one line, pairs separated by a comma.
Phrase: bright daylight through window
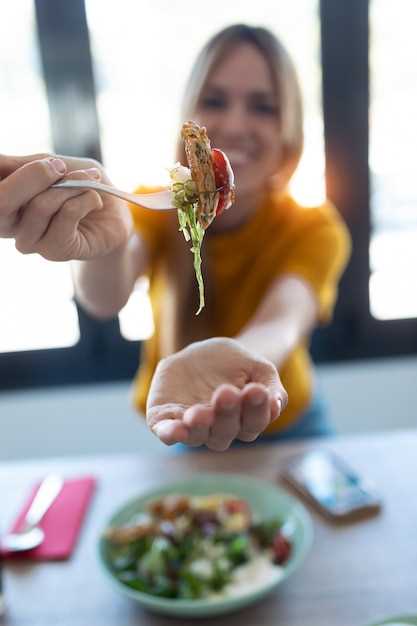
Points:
[[393, 140], [36, 310]]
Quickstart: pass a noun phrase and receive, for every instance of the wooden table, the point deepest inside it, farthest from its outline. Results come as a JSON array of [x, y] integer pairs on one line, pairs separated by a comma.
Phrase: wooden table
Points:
[[353, 575]]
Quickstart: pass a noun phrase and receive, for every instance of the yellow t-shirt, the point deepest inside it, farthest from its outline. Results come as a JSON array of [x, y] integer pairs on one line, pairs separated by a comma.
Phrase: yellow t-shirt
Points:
[[281, 238]]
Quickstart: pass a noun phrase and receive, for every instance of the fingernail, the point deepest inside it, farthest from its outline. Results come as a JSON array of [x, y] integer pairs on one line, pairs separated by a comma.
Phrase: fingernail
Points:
[[279, 405], [257, 399], [58, 165], [93, 172]]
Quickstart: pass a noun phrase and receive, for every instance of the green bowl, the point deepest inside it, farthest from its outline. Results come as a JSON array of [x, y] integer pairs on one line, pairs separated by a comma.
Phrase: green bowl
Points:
[[266, 500]]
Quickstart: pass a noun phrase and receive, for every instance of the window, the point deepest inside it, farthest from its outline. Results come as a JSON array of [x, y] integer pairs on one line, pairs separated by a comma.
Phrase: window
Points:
[[393, 141], [37, 309], [139, 77]]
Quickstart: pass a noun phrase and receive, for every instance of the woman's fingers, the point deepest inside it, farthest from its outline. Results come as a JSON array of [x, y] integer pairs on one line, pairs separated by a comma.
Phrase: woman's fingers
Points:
[[63, 240], [22, 185], [165, 421], [256, 411], [226, 424], [198, 419], [267, 374], [276, 408], [233, 414], [9, 163], [171, 431], [52, 217], [31, 179]]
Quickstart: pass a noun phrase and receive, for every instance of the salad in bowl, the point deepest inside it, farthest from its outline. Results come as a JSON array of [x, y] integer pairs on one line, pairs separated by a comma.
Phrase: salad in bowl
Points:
[[193, 549]]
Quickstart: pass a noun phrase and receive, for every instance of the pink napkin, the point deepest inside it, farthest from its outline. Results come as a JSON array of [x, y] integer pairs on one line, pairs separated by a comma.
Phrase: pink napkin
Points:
[[61, 523]]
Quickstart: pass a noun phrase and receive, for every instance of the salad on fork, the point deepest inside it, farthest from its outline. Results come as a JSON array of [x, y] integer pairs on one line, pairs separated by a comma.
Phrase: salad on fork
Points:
[[201, 191]]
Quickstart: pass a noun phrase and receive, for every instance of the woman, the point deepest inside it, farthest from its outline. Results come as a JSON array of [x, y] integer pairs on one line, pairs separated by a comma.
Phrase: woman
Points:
[[271, 266]]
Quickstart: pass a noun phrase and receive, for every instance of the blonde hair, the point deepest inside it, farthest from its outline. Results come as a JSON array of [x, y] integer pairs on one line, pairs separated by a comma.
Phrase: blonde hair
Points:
[[285, 82]]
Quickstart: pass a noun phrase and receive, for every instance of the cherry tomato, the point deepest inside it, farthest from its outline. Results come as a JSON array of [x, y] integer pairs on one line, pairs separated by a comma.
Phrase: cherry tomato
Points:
[[224, 178], [237, 506], [281, 548]]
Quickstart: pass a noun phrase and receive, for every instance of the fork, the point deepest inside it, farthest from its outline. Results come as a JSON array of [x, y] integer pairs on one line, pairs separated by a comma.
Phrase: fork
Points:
[[158, 201]]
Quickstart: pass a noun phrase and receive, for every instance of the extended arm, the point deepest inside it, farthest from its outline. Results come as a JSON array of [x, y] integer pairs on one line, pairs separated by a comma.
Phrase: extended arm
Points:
[[103, 285], [286, 315]]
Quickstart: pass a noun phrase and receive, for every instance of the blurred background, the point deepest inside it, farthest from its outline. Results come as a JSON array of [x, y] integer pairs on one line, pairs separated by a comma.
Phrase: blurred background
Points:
[[86, 78]]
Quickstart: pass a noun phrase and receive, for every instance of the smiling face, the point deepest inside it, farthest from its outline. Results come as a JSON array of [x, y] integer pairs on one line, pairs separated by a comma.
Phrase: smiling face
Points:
[[239, 107]]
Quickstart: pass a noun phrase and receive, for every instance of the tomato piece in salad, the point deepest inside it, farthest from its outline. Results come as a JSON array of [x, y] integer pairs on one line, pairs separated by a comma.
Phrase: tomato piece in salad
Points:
[[281, 549], [225, 180]]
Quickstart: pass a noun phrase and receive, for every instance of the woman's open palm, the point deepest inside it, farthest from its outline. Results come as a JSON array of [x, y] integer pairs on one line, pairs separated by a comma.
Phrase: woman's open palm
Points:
[[213, 392]]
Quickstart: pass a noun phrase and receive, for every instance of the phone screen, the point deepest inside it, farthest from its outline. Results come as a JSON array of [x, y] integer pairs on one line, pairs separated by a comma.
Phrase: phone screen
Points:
[[333, 485]]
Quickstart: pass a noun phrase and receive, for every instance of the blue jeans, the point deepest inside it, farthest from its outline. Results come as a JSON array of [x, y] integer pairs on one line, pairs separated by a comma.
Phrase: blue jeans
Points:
[[312, 423]]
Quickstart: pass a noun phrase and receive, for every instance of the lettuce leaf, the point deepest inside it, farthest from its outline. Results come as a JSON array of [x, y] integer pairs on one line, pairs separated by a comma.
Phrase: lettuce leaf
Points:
[[185, 200]]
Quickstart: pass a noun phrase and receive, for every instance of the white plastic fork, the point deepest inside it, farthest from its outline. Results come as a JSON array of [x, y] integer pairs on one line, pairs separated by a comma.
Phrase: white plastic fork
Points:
[[158, 201]]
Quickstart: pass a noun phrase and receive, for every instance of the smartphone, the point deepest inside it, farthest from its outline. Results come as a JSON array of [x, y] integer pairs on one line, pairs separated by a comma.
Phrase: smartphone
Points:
[[331, 486]]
